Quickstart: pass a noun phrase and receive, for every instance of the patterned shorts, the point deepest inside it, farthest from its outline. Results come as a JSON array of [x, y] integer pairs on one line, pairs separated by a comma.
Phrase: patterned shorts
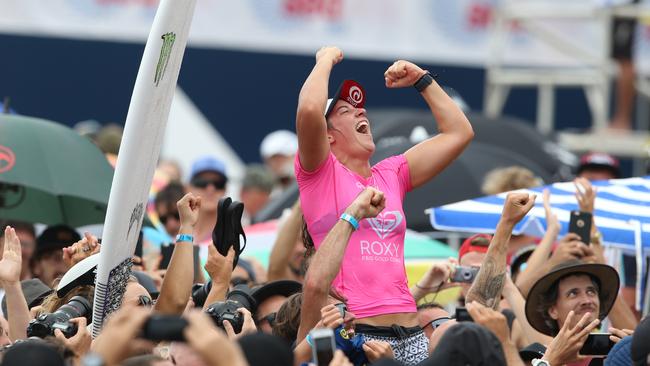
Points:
[[409, 349]]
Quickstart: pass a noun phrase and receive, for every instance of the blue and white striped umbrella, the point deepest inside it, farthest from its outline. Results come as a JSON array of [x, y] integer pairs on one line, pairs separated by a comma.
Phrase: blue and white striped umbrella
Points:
[[622, 214]]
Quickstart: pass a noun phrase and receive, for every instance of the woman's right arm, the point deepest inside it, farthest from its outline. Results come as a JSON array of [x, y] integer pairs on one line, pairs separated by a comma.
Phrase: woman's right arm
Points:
[[311, 126]]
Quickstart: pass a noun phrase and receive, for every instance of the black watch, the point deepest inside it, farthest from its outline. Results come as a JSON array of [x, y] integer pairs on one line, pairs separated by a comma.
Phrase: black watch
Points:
[[423, 82]]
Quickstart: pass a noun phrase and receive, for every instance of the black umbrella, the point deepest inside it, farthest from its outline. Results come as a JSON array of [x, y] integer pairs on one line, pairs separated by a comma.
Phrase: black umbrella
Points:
[[390, 126], [461, 180]]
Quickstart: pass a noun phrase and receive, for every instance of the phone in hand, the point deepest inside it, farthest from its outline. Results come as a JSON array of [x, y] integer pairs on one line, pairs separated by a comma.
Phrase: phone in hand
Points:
[[597, 344], [323, 345], [580, 223], [464, 274], [166, 250], [462, 315]]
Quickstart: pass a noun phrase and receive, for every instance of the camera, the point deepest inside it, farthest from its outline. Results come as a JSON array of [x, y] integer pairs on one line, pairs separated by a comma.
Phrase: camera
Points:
[[45, 324], [464, 274], [239, 297], [160, 327], [462, 315], [200, 293]]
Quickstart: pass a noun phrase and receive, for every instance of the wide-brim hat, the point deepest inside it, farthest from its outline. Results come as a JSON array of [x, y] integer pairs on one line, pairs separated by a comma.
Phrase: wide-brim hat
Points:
[[349, 91], [284, 288], [606, 275]]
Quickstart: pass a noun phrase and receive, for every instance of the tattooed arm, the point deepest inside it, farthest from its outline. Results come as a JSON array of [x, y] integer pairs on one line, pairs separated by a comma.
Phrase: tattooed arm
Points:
[[490, 279]]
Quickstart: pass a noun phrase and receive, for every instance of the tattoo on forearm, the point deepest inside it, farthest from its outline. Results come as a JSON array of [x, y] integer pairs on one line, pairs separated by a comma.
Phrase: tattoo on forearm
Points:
[[489, 283]]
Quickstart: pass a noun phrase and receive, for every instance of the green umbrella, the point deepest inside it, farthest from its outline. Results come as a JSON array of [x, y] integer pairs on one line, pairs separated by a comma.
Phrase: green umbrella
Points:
[[51, 175]]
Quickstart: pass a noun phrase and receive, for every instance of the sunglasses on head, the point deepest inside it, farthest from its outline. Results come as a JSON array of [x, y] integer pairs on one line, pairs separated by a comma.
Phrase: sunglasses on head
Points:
[[218, 184], [435, 323], [166, 217]]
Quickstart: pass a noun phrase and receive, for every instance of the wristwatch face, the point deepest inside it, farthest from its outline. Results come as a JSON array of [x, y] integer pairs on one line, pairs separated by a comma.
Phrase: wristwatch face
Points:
[[537, 362]]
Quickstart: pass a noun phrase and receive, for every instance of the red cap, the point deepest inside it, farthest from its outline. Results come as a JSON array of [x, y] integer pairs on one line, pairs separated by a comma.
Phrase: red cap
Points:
[[468, 247], [600, 160], [349, 91]]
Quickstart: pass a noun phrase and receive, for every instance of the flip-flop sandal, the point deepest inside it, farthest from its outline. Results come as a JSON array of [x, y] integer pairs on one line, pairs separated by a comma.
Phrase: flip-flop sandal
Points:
[[234, 214], [221, 227]]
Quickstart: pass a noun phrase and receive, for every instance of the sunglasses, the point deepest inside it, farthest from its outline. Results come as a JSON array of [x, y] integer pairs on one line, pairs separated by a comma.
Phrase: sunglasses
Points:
[[204, 183], [269, 318], [435, 323], [145, 301], [166, 217], [239, 281]]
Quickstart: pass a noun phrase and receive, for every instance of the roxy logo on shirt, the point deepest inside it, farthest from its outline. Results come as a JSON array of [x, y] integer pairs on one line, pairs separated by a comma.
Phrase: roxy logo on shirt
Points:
[[379, 250]]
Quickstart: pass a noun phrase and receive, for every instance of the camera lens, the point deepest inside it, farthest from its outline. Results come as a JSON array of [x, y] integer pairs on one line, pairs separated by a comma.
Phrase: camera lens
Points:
[[45, 324], [467, 274], [200, 293]]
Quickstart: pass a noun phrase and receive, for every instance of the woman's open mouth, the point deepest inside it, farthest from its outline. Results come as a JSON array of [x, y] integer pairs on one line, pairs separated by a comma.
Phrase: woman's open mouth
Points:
[[363, 127]]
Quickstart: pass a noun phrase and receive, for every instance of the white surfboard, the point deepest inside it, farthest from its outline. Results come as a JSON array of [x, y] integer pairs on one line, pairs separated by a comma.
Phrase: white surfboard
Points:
[[139, 152]]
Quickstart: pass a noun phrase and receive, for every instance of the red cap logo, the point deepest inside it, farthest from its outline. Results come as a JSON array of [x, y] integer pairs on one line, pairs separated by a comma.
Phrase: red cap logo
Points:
[[352, 92], [355, 95], [7, 159]]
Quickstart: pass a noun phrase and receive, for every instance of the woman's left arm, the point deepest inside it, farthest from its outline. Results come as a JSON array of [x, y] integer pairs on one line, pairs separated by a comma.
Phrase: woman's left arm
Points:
[[430, 157]]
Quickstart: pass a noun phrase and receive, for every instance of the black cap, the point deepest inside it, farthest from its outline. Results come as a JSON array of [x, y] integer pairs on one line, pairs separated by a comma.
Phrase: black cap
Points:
[[263, 349], [467, 344], [55, 237], [34, 291]]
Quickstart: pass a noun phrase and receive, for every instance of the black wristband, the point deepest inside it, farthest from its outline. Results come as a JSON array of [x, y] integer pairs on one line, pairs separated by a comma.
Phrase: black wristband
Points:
[[423, 82]]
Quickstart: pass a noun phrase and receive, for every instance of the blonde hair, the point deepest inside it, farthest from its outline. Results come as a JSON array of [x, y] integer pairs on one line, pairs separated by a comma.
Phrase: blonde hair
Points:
[[501, 180], [53, 302]]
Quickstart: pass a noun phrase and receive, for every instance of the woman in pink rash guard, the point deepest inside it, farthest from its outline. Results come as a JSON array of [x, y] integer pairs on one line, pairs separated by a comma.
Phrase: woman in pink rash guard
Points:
[[332, 168]]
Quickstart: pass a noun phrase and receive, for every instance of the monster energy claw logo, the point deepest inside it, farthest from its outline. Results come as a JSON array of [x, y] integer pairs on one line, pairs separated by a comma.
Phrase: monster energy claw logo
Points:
[[163, 60]]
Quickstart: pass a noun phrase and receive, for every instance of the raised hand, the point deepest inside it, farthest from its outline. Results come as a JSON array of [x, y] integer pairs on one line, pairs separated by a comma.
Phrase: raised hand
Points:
[[12, 257], [329, 54], [570, 248], [218, 266], [188, 210], [81, 250], [585, 194], [369, 203], [438, 275], [552, 223], [517, 206], [566, 346], [402, 74]]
